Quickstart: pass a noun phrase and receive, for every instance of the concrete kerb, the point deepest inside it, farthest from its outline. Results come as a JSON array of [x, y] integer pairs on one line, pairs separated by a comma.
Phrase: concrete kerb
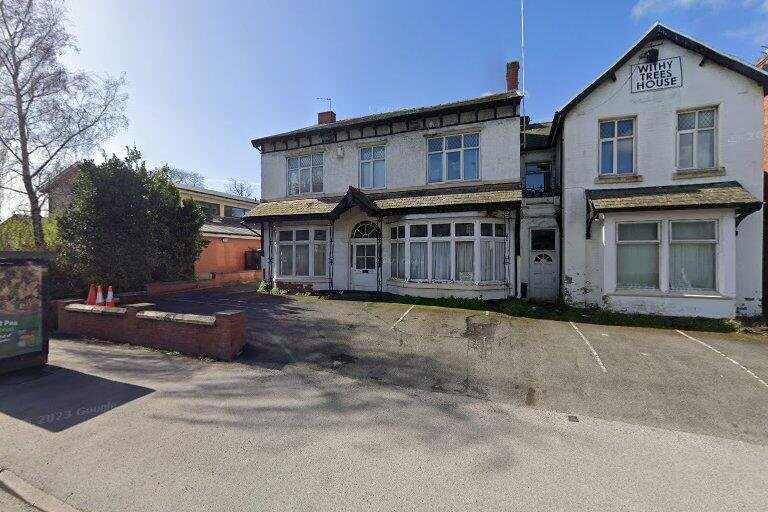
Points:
[[31, 495]]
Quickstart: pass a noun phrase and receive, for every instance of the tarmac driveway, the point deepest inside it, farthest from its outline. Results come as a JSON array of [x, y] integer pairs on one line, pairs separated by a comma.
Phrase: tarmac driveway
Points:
[[705, 383]]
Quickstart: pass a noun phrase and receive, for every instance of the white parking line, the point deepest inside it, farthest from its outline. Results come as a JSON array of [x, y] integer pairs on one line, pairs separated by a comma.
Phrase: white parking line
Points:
[[713, 349], [591, 348], [401, 318]]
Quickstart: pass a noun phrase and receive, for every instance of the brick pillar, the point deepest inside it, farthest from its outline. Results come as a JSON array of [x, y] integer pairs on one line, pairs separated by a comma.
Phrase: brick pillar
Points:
[[231, 325]]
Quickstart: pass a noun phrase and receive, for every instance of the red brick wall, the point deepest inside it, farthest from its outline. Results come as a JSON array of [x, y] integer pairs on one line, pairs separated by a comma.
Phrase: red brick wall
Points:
[[226, 256], [223, 340]]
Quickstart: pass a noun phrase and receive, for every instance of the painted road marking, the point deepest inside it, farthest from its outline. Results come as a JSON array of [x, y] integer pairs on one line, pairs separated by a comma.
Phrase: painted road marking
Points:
[[401, 318], [713, 349], [591, 348]]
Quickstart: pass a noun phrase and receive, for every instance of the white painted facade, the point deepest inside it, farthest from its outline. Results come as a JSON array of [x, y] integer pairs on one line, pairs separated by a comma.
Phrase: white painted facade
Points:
[[589, 271]]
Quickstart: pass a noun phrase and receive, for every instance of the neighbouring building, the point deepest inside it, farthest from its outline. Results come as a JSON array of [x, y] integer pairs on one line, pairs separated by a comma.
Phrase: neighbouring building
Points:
[[639, 195]]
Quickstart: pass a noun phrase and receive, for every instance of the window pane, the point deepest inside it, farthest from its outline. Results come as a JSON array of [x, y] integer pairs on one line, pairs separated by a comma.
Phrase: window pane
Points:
[[453, 142], [305, 181], [302, 234], [534, 181], [543, 240], [465, 229], [286, 260], [625, 163], [705, 148], [501, 230], [378, 173], [637, 265], [436, 167], [685, 151], [500, 270], [693, 231], [435, 144], [285, 236], [293, 183], [606, 157], [686, 121], [393, 260], [400, 231], [471, 167], [317, 179], [607, 130], [638, 231], [486, 261], [293, 163], [706, 119], [418, 230], [453, 165], [692, 266], [302, 260], [318, 263], [317, 159], [418, 260], [486, 229], [393, 233], [465, 261], [441, 230], [366, 153], [378, 152], [320, 234], [471, 140], [625, 128], [306, 161], [441, 261], [366, 175]]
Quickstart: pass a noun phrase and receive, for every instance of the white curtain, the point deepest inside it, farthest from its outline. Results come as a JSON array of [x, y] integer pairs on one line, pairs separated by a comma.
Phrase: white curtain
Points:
[[692, 266], [286, 260], [319, 259], [637, 265], [465, 261], [302, 260], [441, 261], [499, 255], [486, 261], [418, 260]]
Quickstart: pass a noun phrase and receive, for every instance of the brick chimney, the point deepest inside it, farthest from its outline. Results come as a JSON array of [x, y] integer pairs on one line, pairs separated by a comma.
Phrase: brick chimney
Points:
[[326, 117], [513, 68]]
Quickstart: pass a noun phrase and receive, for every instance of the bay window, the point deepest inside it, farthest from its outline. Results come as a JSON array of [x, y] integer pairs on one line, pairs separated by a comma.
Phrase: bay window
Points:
[[419, 251], [617, 146], [692, 255], [441, 252], [453, 158], [302, 252], [397, 252], [305, 174], [637, 255], [696, 139]]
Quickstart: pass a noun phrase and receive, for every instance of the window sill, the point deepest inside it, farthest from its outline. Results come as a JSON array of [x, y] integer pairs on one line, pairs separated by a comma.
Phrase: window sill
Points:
[[308, 195], [450, 285], [670, 295], [453, 183], [628, 178], [698, 173]]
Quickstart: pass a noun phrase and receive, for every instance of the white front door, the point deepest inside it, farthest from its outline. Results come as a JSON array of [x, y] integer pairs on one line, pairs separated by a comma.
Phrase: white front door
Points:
[[543, 264], [364, 271]]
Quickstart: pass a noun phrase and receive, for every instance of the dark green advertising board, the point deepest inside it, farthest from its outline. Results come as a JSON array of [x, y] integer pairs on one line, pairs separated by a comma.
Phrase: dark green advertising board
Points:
[[23, 337]]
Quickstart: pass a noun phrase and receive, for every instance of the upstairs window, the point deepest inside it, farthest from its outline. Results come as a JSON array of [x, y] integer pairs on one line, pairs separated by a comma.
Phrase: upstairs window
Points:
[[617, 147], [234, 211], [696, 136], [210, 210], [373, 169], [538, 176], [305, 174], [453, 158]]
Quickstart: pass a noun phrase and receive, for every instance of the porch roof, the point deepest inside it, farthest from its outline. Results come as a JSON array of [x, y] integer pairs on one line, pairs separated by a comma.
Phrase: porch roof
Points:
[[725, 194], [458, 198]]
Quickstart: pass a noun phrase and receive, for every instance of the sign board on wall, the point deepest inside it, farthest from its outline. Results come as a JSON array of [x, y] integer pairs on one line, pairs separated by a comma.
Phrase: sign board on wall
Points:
[[654, 76]]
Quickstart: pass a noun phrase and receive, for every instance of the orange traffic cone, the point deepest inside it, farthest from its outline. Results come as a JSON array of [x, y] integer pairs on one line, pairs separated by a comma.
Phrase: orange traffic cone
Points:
[[99, 297], [111, 298], [91, 300]]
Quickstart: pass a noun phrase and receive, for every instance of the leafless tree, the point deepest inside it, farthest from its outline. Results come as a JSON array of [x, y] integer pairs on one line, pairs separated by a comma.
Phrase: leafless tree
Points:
[[182, 177], [240, 188], [49, 115]]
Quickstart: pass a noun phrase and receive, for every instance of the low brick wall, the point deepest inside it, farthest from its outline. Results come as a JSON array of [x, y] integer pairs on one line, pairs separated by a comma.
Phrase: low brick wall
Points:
[[220, 336], [216, 280]]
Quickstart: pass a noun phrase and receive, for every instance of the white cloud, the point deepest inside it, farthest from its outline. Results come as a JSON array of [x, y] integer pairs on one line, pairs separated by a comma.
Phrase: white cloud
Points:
[[648, 7]]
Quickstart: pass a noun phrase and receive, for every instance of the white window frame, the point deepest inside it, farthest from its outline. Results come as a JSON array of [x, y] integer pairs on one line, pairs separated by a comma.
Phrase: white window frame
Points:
[[615, 139], [400, 242], [460, 150], [658, 242], [310, 242], [371, 161], [695, 131], [709, 241], [300, 168]]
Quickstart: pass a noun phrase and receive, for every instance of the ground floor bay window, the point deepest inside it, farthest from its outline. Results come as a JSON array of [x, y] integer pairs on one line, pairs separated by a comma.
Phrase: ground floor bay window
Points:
[[302, 252]]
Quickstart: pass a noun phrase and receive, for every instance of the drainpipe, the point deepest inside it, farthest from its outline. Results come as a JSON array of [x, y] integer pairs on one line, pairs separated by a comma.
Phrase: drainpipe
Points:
[[517, 248], [330, 257]]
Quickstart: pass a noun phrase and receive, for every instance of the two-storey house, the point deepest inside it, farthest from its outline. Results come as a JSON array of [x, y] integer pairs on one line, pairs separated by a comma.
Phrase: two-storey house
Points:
[[636, 197]]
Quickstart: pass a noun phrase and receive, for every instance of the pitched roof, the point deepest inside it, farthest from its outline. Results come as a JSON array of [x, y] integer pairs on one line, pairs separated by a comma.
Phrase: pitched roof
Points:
[[659, 31], [396, 115], [217, 193], [388, 203], [226, 227], [536, 135], [725, 194]]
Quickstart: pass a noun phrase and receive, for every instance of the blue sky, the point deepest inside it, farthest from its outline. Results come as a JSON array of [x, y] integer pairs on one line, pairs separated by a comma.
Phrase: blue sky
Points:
[[207, 76]]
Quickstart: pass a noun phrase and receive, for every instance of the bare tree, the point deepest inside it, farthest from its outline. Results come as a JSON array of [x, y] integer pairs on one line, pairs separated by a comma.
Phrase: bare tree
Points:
[[182, 177], [240, 188], [49, 115]]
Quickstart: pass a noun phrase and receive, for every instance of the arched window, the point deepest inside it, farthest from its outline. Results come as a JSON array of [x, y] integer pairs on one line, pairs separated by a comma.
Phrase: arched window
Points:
[[366, 229]]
